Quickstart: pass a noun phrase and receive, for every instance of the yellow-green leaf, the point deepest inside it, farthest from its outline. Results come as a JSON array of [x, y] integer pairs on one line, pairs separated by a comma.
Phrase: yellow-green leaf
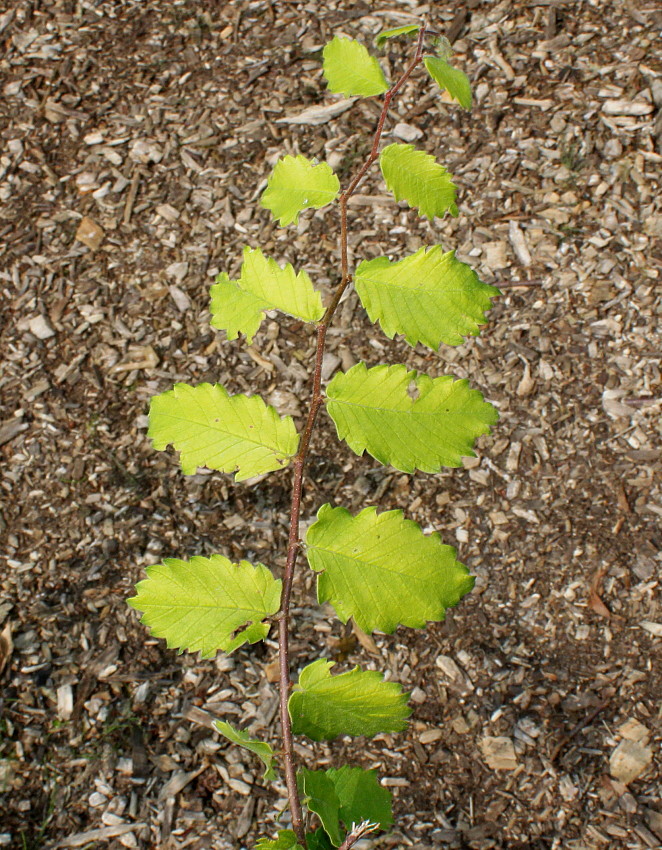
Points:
[[286, 840], [382, 570], [323, 706], [239, 306], [429, 297], [452, 79], [407, 419], [207, 604], [211, 428], [414, 176], [297, 183], [351, 71], [394, 32], [242, 739]]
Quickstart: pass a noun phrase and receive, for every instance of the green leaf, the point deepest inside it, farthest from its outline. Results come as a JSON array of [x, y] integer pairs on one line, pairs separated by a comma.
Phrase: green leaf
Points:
[[318, 840], [374, 412], [429, 297], [205, 603], [414, 176], [214, 429], [261, 749], [351, 795], [319, 795], [235, 311], [452, 79], [394, 32], [296, 184], [282, 288], [350, 70], [323, 706], [361, 797], [239, 306], [286, 840], [382, 570]]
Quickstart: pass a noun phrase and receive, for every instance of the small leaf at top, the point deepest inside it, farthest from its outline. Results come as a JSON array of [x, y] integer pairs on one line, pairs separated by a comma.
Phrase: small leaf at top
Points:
[[239, 306], [319, 795], [374, 412], [361, 797], [205, 603], [211, 428], [296, 184], [452, 79], [323, 706], [382, 570], [429, 297], [394, 32], [261, 749], [286, 840], [350, 70], [414, 176]]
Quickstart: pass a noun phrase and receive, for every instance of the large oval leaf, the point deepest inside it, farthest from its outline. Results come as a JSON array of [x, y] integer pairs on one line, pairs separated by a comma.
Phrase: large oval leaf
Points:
[[211, 428], [429, 297], [382, 570], [406, 419], [207, 604], [323, 706]]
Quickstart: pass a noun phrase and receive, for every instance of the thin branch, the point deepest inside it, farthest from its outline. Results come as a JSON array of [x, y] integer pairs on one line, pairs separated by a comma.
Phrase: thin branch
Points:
[[299, 463], [288, 578]]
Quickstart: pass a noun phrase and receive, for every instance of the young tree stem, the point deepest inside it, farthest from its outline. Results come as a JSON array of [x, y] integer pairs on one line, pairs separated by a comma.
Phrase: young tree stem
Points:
[[294, 544]]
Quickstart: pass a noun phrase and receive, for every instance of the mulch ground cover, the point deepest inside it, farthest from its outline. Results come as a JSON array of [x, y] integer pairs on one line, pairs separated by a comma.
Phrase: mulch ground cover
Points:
[[135, 138]]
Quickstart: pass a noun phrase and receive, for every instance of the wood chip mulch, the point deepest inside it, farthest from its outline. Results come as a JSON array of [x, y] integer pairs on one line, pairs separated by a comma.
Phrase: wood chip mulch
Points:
[[135, 139]]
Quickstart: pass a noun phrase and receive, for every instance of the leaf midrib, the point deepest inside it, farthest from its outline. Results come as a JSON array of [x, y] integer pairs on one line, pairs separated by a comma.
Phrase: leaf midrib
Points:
[[409, 412], [214, 427], [370, 564]]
